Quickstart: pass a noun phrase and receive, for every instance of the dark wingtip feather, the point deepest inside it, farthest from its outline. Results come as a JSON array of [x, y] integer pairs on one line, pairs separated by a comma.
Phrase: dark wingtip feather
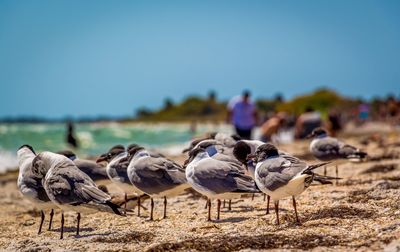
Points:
[[361, 154], [324, 179], [255, 190], [313, 167], [115, 208]]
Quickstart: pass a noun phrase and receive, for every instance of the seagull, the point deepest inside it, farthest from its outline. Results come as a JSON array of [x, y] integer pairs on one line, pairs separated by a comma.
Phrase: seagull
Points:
[[155, 176], [30, 186], [217, 150], [217, 179], [281, 176], [326, 148], [70, 188], [95, 171], [117, 172], [244, 148]]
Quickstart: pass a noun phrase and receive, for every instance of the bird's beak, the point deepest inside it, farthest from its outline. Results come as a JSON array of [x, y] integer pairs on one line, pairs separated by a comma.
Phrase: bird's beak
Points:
[[251, 157], [124, 159], [186, 150], [311, 135], [185, 163]]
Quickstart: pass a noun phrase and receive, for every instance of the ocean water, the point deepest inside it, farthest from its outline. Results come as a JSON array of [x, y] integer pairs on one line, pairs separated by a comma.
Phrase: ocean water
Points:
[[97, 138]]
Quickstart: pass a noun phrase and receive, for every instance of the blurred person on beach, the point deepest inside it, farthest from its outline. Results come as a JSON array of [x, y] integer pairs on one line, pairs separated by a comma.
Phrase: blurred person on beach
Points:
[[70, 136], [335, 123], [363, 112], [242, 113], [193, 127], [307, 122], [393, 109], [271, 126]]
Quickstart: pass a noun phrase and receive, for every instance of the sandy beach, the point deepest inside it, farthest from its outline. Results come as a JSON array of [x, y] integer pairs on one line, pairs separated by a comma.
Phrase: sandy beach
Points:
[[120, 87], [362, 213]]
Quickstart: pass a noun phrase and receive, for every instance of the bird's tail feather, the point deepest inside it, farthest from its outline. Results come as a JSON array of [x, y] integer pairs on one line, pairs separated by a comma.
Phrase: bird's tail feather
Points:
[[106, 206], [115, 208], [313, 167], [358, 154], [324, 180]]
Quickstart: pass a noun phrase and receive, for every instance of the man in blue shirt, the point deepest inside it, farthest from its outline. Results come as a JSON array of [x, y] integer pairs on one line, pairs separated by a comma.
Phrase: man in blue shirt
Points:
[[242, 113]]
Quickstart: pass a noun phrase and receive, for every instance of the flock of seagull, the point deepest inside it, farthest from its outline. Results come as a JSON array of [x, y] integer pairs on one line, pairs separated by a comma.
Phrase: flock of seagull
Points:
[[219, 166]]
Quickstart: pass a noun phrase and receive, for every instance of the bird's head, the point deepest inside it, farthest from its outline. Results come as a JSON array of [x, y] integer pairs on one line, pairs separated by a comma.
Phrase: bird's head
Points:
[[318, 132], [265, 151], [241, 150], [132, 150], [192, 154], [112, 153]]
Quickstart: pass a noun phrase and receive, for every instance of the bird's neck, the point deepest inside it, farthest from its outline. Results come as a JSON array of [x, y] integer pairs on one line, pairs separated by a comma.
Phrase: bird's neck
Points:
[[201, 156], [321, 136], [270, 157], [118, 157], [140, 154], [211, 150]]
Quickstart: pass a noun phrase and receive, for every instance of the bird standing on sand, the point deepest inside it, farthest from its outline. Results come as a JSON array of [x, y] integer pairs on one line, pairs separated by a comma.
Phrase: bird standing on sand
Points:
[[281, 176], [217, 179], [155, 176], [30, 186], [326, 148], [117, 172], [69, 188], [242, 150], [219, 151]]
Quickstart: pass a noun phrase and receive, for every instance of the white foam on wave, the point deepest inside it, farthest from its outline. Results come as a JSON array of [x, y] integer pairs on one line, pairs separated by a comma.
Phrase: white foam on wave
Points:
[[8, 161], [85, 139], [120, 132]]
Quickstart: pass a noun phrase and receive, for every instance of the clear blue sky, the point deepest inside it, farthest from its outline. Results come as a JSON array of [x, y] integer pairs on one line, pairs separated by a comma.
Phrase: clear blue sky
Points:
[[80, 58]]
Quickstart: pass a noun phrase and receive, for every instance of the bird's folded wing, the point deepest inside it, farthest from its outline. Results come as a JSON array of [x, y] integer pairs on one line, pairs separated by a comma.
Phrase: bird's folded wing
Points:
[[75, 188], [91, 168], [328, 145], [277, 172], [163, 170], [92, 193], [347, 150], [223, 177]]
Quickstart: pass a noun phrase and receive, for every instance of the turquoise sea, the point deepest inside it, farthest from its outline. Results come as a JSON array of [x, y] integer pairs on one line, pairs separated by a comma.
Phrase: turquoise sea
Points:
[[96, 138]]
